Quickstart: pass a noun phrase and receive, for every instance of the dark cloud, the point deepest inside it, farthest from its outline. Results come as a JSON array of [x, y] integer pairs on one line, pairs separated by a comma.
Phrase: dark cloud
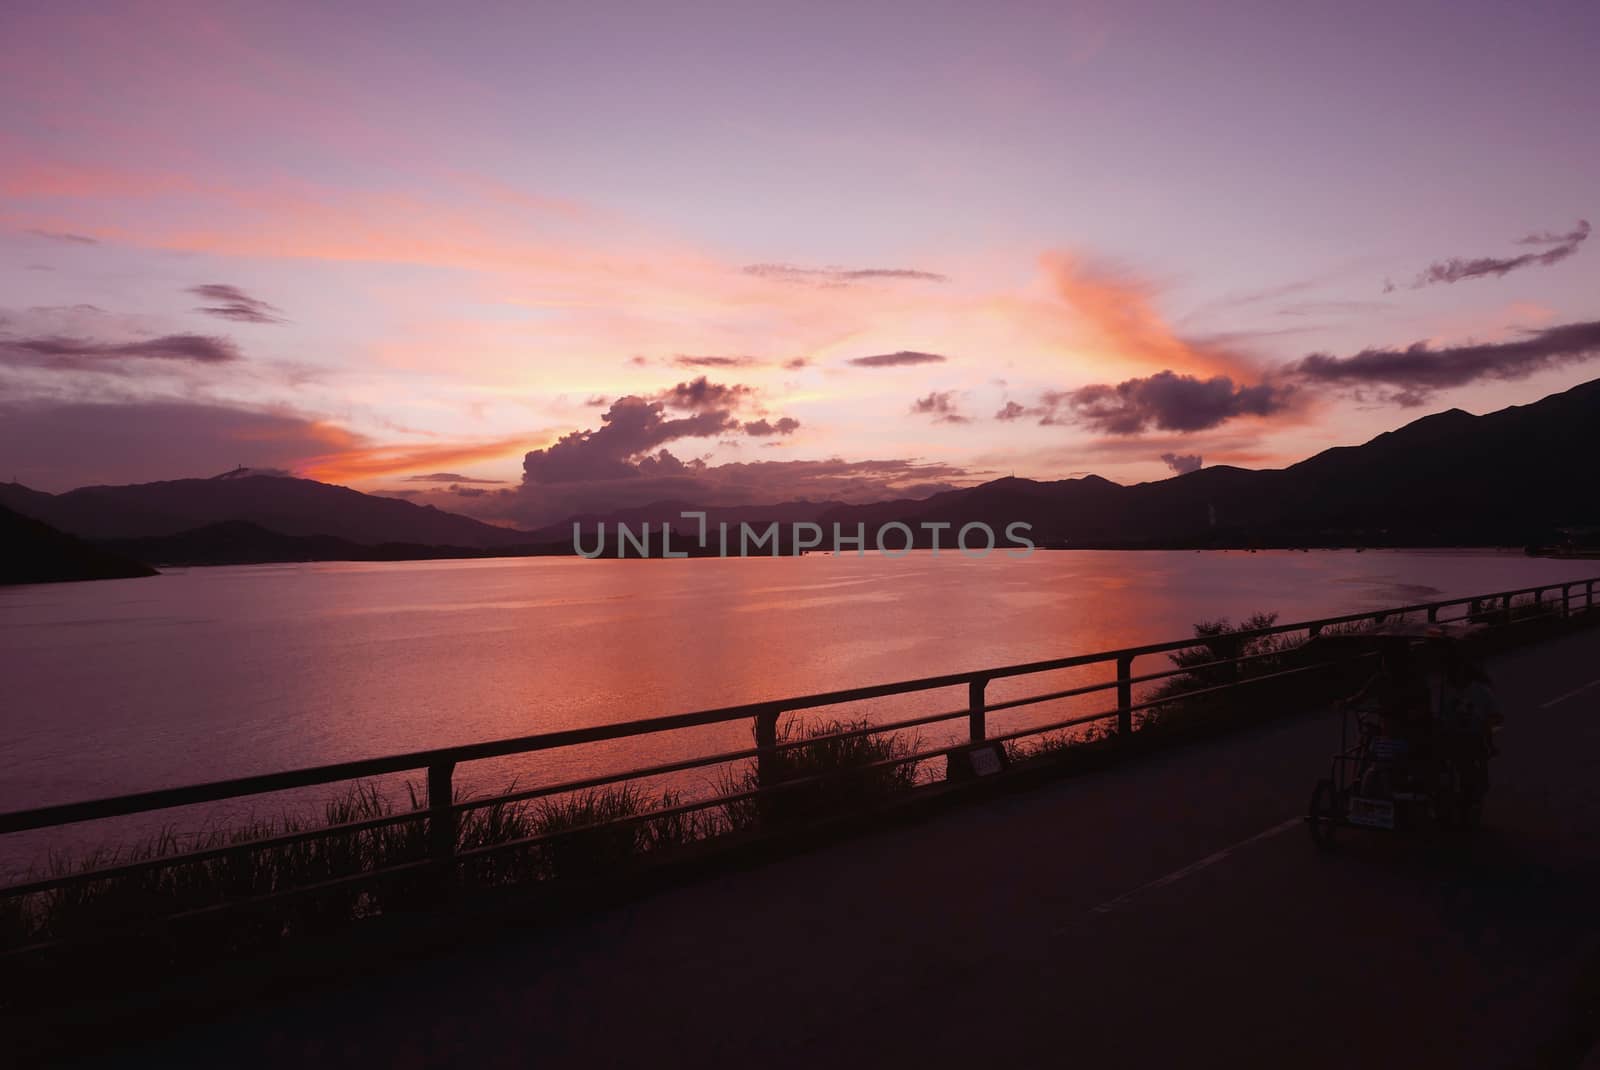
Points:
[[1410, 375], [624, 463], [762, 428], [941, 405], [56, 446], [837, 276], [701, 394], [64, 237], [686, 360], [448, 477], [235, 304], [1182, 463], [62, 352], [794, 363], [1457, 269], [1545, 237], [1011, 411], [661, 477], [1165, 401], [896, 359], [632, 427]]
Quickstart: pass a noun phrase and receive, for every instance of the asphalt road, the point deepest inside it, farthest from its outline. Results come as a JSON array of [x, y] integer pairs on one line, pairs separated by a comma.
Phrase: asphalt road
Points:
[[1170, 912]]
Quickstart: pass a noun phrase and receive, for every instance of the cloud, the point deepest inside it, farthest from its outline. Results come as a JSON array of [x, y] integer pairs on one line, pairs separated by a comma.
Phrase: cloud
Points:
[[359, 458], [1182, 463], [448, 477], [68, 353], [701, 394], [1011, 411], [1165, 401], [659, 479], [595, 400], [1457, 269], [632, 426], [786, 425], [837, 276], [685, 360], [795, 363], [235, 304], [1120, 310], [624, 463], [1412, 374], [56, 445], [940, 404], [897, 359], [64, 237]]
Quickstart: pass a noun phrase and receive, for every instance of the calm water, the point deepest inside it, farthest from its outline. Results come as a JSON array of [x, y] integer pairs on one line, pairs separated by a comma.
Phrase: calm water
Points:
[[207, 673]]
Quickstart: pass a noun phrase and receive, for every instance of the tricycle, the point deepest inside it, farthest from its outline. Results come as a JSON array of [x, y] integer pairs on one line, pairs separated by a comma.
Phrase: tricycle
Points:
[[1415, 743]]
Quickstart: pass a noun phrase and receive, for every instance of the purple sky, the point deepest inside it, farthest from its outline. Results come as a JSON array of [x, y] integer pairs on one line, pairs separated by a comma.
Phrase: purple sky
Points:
[[385, 241]]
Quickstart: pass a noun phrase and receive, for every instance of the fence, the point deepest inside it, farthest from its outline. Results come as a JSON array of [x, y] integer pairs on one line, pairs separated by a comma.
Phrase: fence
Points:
[[440, 814]]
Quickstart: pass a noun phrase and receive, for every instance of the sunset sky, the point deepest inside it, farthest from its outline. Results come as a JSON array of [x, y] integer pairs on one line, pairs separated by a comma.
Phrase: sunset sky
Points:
[[906, 245]]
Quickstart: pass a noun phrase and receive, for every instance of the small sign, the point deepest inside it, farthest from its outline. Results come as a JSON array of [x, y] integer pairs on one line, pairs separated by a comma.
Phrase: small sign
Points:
[[985, 760]]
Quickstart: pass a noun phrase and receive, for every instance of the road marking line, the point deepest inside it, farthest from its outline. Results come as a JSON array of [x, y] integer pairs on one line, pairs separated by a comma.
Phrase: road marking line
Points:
[[1570, 694], [1194, 867]]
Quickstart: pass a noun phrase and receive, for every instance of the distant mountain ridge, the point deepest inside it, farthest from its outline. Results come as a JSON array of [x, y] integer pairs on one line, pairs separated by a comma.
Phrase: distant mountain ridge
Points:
[[282, 504], [1510, 477], [1517, 476]]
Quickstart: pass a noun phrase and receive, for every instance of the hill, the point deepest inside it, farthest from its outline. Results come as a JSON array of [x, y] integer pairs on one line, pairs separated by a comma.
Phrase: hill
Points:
[[38, 553], [1511, 477], [278, 503]]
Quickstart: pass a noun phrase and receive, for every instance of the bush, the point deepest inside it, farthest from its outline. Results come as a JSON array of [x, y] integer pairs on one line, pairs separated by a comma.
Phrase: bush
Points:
[[838, 775]]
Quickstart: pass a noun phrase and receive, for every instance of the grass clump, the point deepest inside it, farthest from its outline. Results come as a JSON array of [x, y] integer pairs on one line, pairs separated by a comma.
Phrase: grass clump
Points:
[[124, 903], [825, 776], [605, 829]]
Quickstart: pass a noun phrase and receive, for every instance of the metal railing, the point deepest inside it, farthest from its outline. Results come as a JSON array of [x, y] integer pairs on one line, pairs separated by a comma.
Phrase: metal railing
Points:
[[442, 810]]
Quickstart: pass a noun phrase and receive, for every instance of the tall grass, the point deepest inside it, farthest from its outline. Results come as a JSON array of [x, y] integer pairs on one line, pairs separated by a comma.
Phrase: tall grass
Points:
[[126, 901], [827, 775]]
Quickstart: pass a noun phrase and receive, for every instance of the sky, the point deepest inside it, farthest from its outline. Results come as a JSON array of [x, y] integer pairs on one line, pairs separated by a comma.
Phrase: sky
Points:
[[520, 260]]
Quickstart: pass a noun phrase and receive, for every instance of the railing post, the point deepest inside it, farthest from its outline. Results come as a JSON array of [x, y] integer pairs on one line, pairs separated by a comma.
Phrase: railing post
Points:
[[1313, 631], [1124, 696], [1433, 614], [441, 814], [1566, 600], [1507, 608], [977, 729], [1588, 595], [766, 743]]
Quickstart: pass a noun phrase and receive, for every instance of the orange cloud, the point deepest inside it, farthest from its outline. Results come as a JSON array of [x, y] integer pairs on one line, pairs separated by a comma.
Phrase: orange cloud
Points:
[[355, 459], [1120, 311]]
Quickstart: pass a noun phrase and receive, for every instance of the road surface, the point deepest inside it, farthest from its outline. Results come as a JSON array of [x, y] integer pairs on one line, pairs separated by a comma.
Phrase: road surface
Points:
[[1169, 912]]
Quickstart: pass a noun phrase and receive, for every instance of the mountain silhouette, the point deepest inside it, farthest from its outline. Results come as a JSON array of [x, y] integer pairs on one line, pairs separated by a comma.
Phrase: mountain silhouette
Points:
[[277, 503], [38, 553], [1508, 478]]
